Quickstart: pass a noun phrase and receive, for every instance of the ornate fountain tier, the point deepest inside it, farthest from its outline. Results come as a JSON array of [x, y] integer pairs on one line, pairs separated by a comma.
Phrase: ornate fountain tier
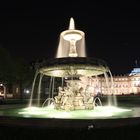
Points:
[[73, 67], [72, 35]]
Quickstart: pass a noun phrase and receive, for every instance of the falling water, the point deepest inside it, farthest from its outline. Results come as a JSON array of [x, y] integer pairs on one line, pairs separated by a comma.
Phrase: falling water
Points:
[[63, 48], [39, 89], [53, 80], [50, 86], [32, 91], [81, 47], [97, 102], [108, 91], [112, 88]]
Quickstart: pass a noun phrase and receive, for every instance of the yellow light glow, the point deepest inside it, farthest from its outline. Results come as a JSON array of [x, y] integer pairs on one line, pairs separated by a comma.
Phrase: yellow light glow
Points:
[[50, 112], [72, 36]]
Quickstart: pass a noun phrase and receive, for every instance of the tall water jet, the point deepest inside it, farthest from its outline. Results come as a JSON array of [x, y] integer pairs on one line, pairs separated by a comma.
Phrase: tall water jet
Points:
[[72, 24]]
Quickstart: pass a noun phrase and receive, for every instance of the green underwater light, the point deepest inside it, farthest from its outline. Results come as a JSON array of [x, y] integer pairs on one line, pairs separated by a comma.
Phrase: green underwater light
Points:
[[50, 112]]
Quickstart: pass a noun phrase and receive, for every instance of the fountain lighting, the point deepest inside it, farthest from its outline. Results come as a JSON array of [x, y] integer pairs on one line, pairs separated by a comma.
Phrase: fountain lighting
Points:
[[73, 64], [98, 112]]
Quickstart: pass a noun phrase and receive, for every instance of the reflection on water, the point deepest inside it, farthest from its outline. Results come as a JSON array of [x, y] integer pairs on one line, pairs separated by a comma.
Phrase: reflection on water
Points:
[[100, 112]]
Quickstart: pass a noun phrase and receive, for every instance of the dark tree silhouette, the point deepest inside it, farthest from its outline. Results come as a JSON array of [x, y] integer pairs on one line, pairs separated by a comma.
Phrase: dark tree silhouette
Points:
[[14, 70]]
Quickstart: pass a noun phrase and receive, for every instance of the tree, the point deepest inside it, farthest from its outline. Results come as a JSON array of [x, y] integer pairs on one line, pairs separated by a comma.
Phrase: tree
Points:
[[6, 66], [14, 70], [23, 74]]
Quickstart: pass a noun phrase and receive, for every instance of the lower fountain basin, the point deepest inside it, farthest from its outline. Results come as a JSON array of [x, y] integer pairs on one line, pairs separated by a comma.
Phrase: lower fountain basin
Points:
[[106, 116], [21, 123]]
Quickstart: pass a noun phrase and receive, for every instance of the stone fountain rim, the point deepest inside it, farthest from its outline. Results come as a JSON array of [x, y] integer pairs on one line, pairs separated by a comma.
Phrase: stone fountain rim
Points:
[[86, 64], [73, 61]]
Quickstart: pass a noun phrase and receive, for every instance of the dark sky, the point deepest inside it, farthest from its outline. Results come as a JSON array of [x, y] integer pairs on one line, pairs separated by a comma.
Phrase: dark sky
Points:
[[30, 30]]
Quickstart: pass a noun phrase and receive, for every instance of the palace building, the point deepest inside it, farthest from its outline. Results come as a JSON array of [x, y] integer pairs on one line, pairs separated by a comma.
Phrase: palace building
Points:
[[127, 84], [122, 84]]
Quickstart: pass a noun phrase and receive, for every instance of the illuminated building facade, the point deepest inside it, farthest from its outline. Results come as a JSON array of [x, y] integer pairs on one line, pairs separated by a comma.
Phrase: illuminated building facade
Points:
[[122, 84]]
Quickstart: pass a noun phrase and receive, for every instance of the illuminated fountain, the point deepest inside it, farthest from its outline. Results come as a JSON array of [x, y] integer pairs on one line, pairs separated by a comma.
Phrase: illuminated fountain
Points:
[[75, 99]]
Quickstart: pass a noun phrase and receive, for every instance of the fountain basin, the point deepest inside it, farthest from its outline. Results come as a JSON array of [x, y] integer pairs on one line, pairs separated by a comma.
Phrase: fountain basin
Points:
[[73, 66], [17, 123], [106, 116], [72, 34]]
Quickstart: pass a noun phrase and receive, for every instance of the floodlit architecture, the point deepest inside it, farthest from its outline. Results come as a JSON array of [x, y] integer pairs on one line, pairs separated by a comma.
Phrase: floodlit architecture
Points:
[[122, 84], [127, 84]]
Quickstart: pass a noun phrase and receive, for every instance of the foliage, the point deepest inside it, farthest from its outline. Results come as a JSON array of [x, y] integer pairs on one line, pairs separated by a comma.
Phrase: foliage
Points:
[[13, 70]]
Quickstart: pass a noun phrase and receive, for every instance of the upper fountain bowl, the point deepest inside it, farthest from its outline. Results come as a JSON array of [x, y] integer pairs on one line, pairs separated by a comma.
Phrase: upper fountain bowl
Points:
[[72, 35]]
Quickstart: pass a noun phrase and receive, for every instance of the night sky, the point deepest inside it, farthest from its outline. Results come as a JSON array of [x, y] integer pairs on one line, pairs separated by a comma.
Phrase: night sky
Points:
[[30, 30]]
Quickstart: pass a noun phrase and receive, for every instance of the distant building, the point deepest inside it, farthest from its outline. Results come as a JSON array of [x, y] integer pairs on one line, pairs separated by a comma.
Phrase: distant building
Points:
[[122, 84], [127, 84]]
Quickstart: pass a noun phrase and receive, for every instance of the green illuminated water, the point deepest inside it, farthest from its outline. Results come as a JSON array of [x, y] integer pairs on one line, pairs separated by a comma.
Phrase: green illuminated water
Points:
[[99, 112]]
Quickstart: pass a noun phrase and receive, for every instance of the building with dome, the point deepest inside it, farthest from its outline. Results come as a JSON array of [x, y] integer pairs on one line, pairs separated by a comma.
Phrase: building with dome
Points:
[[123, 84]]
